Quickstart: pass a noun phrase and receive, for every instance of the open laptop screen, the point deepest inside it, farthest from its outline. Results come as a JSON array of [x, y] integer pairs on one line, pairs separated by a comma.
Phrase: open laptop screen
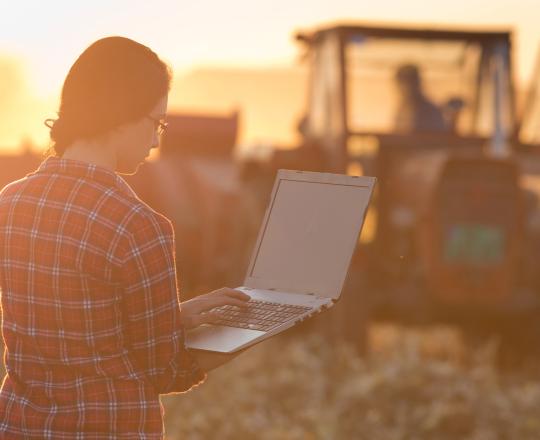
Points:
[[309, 233]]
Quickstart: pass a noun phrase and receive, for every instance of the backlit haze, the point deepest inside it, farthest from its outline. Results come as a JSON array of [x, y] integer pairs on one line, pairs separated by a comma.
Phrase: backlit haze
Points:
[[229, 55]]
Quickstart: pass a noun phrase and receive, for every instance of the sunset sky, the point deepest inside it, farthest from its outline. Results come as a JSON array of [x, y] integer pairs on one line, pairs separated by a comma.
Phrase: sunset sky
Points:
[[40, 40]]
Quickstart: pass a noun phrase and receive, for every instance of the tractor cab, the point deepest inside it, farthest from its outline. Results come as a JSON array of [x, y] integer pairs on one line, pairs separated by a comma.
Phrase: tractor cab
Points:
[[431, 113], [374, 86]]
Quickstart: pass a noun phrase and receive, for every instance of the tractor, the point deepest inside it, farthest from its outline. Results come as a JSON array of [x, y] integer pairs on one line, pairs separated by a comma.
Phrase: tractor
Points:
[[453, 233]]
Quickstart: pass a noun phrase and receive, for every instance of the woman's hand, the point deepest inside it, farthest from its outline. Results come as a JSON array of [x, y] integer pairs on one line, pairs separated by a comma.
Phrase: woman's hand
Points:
[[196, 311]]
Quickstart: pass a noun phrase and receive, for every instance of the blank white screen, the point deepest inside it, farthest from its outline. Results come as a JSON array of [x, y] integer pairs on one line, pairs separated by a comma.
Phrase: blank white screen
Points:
[[310, 236]]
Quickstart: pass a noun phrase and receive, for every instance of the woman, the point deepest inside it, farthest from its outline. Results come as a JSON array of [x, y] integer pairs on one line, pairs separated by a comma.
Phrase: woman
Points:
[[91, 320]]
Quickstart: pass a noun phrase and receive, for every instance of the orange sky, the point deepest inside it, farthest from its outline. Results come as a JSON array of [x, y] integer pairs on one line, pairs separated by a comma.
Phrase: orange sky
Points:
[[40, 40]]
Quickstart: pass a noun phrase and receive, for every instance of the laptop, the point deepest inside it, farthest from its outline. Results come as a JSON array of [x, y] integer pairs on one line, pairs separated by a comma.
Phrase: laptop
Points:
[[300, 260]]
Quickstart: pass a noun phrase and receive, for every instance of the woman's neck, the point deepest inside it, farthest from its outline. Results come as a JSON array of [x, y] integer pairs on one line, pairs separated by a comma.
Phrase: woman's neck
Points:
[[96, 153]]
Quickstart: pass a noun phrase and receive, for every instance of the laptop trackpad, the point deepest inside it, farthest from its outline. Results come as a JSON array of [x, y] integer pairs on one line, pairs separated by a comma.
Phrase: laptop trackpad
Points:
[[220, 338]]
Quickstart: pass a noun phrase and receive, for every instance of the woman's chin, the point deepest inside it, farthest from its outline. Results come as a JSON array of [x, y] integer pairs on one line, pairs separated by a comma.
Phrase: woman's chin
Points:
[[129, 170]]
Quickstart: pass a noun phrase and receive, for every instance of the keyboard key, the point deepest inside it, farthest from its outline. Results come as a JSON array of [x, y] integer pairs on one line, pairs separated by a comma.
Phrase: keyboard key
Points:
[[258, 315]]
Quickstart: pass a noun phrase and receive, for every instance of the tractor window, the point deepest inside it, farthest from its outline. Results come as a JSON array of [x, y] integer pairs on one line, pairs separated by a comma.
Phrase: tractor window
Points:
[[326, 121], [413, 85], [326, 114], [530, 125]]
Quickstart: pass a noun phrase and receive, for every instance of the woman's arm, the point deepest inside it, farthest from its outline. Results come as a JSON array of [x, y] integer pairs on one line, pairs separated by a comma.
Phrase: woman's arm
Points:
[[154, 335], [155, 325]]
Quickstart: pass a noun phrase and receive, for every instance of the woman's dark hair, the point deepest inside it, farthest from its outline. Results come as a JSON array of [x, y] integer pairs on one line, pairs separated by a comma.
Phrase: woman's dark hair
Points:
[[114, 81]]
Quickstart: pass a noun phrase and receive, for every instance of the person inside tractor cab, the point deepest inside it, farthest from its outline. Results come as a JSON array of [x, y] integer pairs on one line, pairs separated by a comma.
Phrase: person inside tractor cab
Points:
[[452, 110], [415, 111]]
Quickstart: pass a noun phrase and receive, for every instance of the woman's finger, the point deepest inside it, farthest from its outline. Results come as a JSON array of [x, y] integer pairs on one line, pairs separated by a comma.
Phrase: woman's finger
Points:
[[209, 318], [233, 293], [196, 320], [206, 318], [221, 300]]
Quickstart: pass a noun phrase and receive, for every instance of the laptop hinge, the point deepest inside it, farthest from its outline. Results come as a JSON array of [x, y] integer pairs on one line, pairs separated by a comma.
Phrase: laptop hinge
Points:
[[312, 294], [315, 295], [319, 297], [274, 289]]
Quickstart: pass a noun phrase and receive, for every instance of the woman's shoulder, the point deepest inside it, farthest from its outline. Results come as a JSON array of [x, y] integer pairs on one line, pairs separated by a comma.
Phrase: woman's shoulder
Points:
[[142, 217], [13, 187]]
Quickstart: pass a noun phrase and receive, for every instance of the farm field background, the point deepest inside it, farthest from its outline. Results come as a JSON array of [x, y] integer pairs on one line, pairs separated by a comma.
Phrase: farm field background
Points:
[[414, 384]]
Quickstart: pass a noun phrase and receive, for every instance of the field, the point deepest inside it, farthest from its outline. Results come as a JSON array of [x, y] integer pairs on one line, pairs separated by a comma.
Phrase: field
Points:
[[415, 384]]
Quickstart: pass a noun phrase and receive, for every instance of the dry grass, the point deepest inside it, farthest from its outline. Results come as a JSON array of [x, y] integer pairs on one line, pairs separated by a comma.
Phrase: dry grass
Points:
[[414, 385]]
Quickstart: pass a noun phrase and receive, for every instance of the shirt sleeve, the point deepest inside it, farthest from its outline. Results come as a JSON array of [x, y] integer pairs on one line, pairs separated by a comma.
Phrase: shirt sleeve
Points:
[[155, 336]]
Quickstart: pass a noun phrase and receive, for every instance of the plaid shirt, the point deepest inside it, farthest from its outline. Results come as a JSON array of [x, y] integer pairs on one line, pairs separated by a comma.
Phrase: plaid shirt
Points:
[[91, 318]]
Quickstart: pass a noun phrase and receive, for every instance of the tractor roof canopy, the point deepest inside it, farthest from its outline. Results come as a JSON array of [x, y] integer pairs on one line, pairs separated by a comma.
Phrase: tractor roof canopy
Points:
[[382, 79]]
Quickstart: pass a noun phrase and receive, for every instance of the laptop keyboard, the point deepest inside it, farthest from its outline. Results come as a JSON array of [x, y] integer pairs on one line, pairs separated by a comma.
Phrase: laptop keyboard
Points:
[[258, 315]]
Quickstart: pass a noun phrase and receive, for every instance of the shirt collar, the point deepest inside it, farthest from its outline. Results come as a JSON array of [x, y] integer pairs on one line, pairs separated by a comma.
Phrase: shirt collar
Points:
[[84, 170]]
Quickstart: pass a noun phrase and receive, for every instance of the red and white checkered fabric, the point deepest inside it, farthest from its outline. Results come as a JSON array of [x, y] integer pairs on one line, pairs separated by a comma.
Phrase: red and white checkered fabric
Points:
[[91, 317]]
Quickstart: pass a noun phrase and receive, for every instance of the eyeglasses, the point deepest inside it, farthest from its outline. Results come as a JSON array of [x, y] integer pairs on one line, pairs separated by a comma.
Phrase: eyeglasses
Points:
[[159, 126]]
